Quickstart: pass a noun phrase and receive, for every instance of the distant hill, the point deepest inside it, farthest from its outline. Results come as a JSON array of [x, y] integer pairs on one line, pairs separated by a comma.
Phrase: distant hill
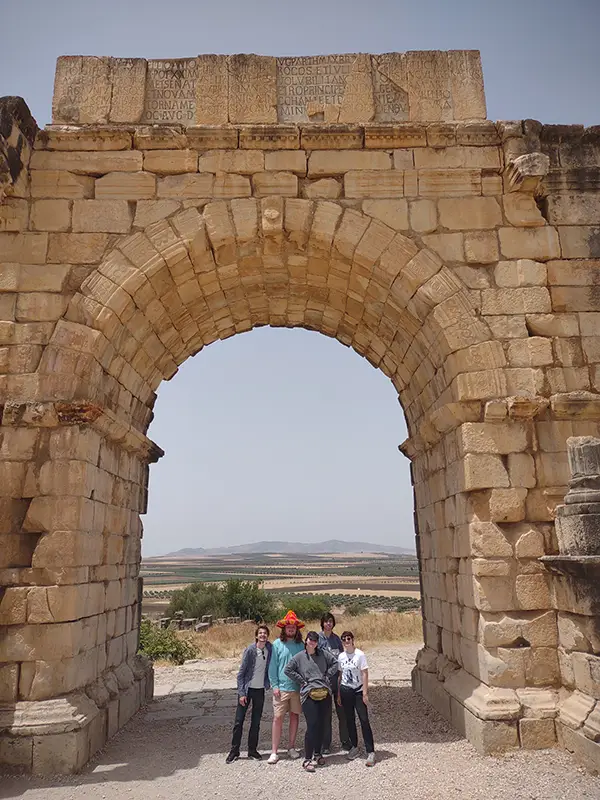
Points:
[[296, 548]]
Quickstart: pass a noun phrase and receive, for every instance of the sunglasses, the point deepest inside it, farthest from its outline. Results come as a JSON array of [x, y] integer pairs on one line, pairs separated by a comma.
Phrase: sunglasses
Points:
[[347, 639]]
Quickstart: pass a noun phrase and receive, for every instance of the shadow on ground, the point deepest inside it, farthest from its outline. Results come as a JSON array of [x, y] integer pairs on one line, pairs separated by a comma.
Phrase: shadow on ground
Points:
[[176, 731]]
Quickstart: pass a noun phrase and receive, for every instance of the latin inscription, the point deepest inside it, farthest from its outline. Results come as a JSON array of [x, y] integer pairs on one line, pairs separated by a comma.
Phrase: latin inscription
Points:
[[305, 85], [171, 92], [391, 102]]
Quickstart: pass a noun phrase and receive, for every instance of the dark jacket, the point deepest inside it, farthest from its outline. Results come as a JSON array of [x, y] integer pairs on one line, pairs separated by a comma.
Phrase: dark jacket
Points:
[[334, 644], [312, 672], [246, 669]]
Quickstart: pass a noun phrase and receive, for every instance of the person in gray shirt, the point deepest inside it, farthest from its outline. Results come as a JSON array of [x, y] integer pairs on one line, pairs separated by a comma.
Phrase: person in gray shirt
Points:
[[313, 669], [329, 640]]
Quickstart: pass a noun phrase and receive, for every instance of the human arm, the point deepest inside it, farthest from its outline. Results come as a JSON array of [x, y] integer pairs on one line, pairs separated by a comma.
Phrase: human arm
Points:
[[269, 647], [241, 676], [332, 667], [365, 685], [274, 672], [364, 673], [292, 670]]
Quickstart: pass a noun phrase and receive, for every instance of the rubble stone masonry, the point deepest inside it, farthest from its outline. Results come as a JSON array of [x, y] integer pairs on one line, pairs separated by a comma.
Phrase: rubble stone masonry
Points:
[[174, 203]]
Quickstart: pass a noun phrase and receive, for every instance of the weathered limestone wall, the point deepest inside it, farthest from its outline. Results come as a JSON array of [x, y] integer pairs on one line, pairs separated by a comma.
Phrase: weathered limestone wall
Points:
[[456, 256]]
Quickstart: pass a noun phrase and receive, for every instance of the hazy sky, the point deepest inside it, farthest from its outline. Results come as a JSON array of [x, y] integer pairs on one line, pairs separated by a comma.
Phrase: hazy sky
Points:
[[280, 434]]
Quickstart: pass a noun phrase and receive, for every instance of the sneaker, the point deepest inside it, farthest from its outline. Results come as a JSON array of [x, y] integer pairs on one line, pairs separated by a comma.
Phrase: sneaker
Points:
[[346, 747], [293, 753], [255, 755], [370, 762], [352, 753], [273, 758], [232, 757], [308, 766], [326, 751]]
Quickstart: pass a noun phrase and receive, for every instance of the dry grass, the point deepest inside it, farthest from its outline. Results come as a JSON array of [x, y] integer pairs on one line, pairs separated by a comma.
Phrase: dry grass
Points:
[[370, 630]]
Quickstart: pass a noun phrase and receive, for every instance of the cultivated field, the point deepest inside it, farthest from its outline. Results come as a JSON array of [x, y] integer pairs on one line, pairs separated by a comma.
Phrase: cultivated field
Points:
[[370, 630], [351, 575]]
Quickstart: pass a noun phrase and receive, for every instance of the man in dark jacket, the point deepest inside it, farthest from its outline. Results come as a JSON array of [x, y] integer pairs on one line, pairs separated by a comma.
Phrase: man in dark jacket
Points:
[[252, 680]]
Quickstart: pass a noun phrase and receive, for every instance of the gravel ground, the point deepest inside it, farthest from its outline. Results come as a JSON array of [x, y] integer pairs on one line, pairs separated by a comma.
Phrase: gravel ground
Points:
[[177, 747]]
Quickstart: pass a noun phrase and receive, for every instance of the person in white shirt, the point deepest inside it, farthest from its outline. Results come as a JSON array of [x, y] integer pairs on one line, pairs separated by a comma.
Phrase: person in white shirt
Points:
[[353, 695]]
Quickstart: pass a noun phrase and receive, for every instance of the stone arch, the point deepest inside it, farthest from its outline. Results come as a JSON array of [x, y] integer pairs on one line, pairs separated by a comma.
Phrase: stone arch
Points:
[[437, 265], [164, 293]]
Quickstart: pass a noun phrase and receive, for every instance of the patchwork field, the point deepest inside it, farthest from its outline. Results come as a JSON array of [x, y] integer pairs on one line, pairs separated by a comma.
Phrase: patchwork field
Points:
[[348, 574]]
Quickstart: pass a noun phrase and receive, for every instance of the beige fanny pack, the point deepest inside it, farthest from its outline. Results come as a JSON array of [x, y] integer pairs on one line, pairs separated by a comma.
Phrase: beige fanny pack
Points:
[[318, 694]]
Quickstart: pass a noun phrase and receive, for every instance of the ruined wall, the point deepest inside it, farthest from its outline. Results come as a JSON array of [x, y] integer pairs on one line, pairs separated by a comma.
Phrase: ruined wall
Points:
[[456, 255]]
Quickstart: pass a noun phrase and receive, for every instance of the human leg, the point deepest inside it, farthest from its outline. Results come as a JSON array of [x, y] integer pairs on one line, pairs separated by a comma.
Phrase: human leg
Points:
[[324, 714], [258, 700], [327, 733], [348, 705], [279, 710], [236, 738], [295, 707], [311, 714], [343, 727], [363, 715], [294, 722]]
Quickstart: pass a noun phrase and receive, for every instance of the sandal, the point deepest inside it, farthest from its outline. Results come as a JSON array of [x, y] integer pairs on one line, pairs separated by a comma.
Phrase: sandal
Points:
[[308, 765], [320, 761]]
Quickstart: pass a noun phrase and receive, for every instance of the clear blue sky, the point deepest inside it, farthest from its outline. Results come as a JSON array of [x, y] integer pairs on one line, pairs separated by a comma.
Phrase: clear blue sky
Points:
[[281, 434]]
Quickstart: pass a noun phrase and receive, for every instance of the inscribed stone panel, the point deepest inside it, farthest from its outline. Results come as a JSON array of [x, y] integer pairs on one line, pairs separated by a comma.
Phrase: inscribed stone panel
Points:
[[466, 80], [429, 92], [390, 86], [212, 90], [358, 103], [171, 91], [128, 77], [82, 90], [307, 85], [252, 89]]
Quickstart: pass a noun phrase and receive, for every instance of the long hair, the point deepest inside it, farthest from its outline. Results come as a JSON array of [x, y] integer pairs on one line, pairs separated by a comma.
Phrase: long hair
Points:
[[297, 638]]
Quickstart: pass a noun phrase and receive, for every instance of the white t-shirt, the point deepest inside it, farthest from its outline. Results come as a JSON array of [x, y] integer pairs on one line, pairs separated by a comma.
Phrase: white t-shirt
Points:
[[351, 666], [258, 676]]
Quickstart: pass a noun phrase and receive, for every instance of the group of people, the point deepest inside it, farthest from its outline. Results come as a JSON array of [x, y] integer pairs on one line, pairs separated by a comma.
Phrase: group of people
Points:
[[308, 676]]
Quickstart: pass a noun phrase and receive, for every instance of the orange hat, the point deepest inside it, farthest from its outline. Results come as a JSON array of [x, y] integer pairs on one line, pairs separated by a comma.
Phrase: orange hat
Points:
[[290, 619]]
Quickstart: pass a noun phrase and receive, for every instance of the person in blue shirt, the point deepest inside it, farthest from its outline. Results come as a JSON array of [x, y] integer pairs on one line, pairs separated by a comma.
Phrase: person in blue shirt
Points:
[[252, 681], [286, 692], [328, 640]]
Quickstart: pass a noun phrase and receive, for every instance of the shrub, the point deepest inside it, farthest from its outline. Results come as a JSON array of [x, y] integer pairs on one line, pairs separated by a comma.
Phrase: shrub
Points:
[[247, 600], [408, 604], [164, 644], [198, 599], [356, 608], [305, 606], [236, 598]]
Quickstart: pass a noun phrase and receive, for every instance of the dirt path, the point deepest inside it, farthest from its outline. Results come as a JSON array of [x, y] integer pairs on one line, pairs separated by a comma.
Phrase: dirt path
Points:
[[175, 749]]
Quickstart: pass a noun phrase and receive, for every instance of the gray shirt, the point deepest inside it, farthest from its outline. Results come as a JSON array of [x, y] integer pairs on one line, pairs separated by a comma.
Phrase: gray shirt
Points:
[[312, 672]]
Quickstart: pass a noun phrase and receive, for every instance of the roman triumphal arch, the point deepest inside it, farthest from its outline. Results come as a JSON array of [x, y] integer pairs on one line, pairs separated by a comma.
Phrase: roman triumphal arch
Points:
[[174, 203]]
